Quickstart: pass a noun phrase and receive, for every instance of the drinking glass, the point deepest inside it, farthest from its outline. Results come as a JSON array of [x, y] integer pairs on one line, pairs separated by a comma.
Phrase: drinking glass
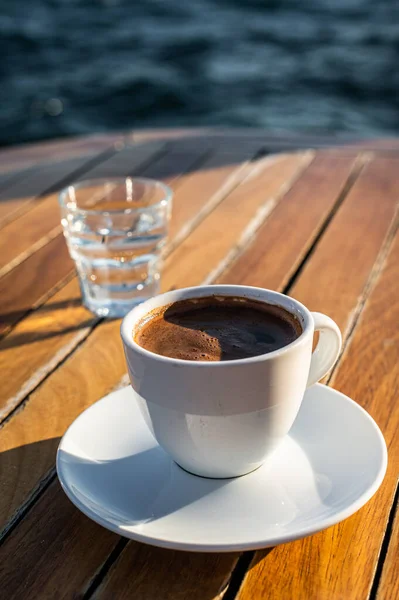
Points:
[[116, 230]]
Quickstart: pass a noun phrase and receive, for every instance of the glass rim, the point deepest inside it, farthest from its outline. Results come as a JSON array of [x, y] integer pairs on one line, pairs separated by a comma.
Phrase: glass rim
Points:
[[62, 195]]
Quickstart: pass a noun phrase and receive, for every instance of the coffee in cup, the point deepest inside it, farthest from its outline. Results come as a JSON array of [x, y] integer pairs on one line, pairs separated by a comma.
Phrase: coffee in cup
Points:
[[217, 328]]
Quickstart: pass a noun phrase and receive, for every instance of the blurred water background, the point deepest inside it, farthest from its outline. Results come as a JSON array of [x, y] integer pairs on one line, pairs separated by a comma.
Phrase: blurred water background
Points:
[[83, 66]]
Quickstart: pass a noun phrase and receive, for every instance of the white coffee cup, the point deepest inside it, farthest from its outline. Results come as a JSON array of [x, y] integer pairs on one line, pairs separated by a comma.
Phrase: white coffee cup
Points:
[[223, 419]]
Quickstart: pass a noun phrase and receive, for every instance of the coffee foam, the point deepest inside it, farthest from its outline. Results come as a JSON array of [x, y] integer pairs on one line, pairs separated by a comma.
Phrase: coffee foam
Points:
[[217, 328]]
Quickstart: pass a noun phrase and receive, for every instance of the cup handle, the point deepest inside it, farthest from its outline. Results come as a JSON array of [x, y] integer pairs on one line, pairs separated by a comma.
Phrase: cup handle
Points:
[[328, 347]]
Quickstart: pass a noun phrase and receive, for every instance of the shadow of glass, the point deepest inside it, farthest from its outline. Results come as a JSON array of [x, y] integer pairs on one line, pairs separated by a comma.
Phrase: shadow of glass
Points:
[[9, 316], [22, 339], [45, 324]]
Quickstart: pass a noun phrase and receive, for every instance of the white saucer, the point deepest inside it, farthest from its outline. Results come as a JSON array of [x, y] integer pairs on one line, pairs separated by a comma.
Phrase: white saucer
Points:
[[331, 464]]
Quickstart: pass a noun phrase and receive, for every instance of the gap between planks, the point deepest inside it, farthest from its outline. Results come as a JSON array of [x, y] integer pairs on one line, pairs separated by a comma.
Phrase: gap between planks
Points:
[[360, 163], [375, 272], [394, 513]]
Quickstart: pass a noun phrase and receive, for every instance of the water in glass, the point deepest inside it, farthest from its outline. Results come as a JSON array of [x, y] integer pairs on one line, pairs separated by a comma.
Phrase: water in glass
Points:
[[116, 231]]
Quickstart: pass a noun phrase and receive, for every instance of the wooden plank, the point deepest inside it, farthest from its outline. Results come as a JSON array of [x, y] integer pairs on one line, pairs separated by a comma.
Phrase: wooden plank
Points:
[[31, 231], [16, 163], [17, 198], [63, 550], [175, 166], [388, 588], [279, 242], [147, 573], [201, 190], [340, 562], [223, 140], [233, 220], [174, 133], [90, 372], [42, 340], [26, 155], [8, 178], [32, 281], [47, 178], [127, 161], [233, 135], [337, 274], [274, 142]]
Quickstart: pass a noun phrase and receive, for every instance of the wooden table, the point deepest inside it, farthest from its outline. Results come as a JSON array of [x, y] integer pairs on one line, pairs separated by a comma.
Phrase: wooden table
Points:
[[320, 224]]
